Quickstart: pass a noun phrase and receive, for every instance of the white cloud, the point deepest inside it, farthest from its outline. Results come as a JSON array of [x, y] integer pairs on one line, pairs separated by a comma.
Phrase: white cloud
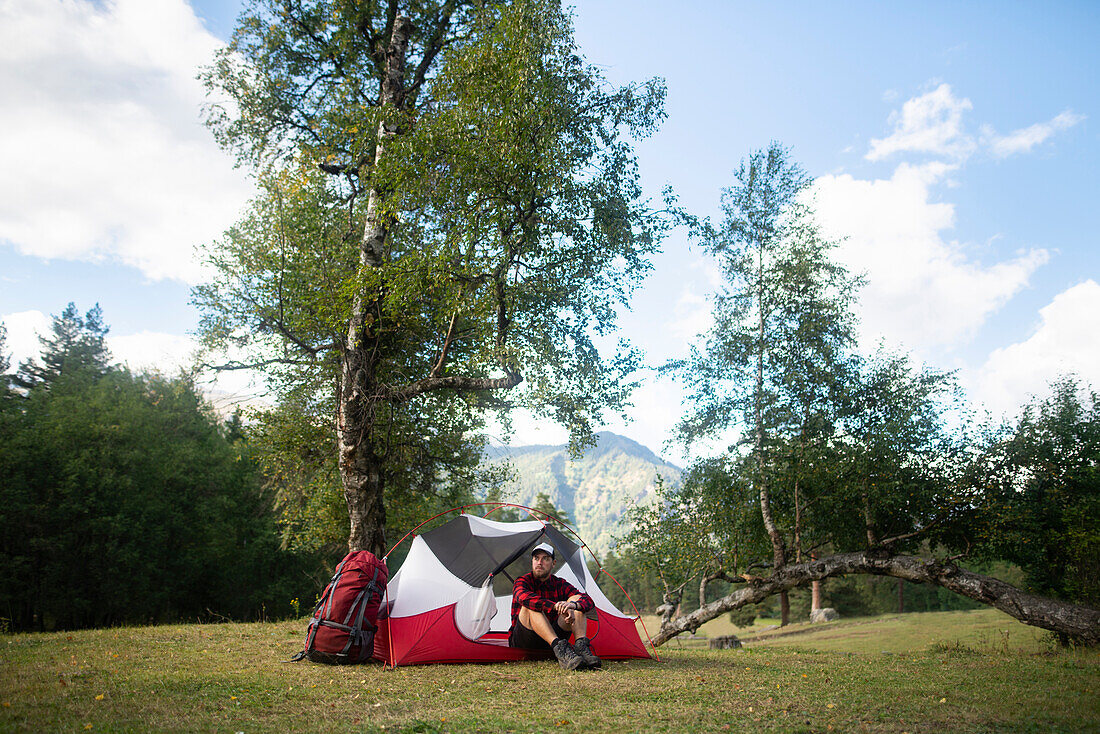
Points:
[[692, 315], [149, 351], [527, 430], [693, 312], [24, 328], [930, 123], [104, 154], [1066, 340], [922, 290], [172, 354], [1024, 139], [146, 351]]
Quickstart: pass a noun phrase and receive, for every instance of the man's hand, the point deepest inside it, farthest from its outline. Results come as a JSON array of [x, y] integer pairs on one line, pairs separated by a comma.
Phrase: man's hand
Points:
[[563, 607]]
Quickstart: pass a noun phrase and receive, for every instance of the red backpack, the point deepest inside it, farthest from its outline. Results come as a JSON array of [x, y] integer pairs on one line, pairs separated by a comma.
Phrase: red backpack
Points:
[[342, 629]]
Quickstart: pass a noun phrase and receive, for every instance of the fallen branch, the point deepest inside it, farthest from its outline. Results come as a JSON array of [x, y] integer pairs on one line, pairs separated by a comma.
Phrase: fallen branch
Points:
[[1074, 622]]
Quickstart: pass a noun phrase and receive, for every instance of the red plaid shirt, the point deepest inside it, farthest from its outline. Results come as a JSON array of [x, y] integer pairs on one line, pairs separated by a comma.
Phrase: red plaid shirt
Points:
[[541, 595]]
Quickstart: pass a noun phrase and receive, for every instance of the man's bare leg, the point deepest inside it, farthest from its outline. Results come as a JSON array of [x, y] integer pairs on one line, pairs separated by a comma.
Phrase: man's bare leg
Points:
[[540, 625], [537, 623], [573, 620]]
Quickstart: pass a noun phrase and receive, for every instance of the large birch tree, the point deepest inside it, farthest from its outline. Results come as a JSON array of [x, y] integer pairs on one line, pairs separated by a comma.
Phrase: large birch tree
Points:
[[450, 209]]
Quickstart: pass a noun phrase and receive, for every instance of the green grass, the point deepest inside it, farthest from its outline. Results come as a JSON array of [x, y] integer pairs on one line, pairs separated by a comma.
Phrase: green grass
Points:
[[231, 678], [985, 630]]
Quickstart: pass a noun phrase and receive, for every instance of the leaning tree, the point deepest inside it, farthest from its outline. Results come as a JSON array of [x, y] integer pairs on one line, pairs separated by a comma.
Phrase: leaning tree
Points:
[[782, 327], [846, 460], [449, 208]]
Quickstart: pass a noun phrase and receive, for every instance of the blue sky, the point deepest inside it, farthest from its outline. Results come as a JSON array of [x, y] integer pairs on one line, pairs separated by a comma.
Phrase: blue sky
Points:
[[956, 145]]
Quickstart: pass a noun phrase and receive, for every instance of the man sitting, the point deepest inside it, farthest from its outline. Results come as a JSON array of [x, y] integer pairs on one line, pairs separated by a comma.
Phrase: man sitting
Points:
[[546, 608]]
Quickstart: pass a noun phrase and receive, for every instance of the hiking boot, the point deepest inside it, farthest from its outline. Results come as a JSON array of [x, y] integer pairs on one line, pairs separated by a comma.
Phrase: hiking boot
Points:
[[584, 650], [567, 657]]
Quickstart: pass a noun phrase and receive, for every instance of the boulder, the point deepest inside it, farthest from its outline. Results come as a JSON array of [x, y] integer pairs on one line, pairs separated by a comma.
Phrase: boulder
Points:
[[826, 614], [725, 642]]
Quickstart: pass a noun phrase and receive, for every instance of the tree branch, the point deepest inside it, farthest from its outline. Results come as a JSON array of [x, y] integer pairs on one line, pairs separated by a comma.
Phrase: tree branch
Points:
[[909, 536], [438, 369], [1074, 621], [231, 366], [432, 48], [428, 384]]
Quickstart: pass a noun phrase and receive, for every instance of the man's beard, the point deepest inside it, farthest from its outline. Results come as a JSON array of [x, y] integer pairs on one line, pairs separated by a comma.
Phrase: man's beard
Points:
[[540, 575]]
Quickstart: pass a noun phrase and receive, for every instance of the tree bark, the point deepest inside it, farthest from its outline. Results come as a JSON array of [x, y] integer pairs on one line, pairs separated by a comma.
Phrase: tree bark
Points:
[[361, 471], [868, 519], [815, 590], [364, 490], [779, 546], [1077, 623]]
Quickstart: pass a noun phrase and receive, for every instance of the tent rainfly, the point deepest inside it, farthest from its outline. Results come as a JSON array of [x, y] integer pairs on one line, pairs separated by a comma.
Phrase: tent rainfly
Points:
[[450, 602]]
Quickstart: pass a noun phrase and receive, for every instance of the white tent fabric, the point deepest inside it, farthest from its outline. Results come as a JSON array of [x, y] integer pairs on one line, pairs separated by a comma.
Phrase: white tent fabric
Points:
[[424, 583]]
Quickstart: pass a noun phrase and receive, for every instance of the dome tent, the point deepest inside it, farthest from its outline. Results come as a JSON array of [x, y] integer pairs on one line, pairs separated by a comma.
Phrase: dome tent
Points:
[[450, 602]]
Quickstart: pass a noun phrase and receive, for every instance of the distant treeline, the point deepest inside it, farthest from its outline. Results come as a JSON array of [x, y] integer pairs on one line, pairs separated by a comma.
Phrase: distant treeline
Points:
[[124, 499]]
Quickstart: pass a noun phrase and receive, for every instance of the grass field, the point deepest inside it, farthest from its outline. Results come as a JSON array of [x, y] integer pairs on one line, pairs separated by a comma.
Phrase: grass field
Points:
[[984, 630], [957, 671]]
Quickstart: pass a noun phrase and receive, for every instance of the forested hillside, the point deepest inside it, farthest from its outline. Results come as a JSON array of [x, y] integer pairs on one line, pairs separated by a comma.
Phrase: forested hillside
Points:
[[595, 490], [125, 500]]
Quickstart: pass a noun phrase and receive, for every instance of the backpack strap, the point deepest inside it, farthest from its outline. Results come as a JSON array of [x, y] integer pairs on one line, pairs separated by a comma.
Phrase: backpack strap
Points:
[[357, 632], [314, 623]]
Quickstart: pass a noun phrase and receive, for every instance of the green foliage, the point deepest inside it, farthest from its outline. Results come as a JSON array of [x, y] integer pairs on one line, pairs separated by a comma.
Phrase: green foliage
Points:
[[834, 451], [709, 523], [546, 507], [745, 616], [770, 373], [640, 582], [76, 347], [782, 321], [5, 358], [894, 458], [121, 500], [495, 232], [1038, 489]]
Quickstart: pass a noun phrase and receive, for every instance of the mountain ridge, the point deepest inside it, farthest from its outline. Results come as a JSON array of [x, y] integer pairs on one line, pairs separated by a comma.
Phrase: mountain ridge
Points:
[[596, 489]]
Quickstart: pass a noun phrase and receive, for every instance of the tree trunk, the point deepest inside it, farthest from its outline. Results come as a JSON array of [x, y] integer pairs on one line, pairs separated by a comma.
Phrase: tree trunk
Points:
[[361, 471], [797, 520], [364, 491], [869, 520], [901, 596], [815, 590], [779, 548], [1074, 622]]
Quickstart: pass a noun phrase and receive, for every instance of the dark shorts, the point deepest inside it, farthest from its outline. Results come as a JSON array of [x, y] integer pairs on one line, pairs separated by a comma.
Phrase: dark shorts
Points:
[[529, 639]]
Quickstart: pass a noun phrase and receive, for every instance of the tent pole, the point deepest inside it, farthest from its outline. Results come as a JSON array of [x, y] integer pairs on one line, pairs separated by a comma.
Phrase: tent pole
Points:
[[635, 607]]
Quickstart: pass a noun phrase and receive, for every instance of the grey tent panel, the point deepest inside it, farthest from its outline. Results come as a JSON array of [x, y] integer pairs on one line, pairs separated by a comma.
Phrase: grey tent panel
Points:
[[473, 557], [569, 551]]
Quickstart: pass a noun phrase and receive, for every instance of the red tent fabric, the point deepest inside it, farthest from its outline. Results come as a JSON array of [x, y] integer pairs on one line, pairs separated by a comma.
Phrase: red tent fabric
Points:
[[450, 602]]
